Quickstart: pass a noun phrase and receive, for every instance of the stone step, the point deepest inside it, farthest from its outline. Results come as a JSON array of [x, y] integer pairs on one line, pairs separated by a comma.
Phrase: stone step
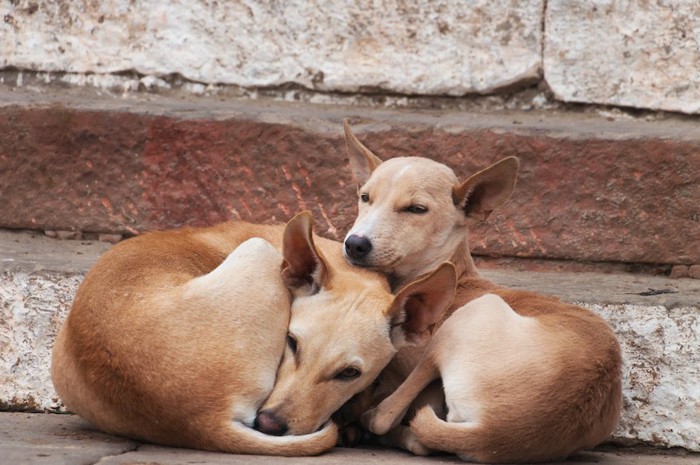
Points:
[[600, 187], [656, 319], [38, 439]]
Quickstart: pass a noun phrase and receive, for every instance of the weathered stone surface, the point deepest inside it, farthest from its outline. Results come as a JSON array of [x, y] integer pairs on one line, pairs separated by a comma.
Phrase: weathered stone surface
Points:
[[38, 278], [631, 53], [32, 307], [694, 271], [39, 439], [445, 47], [661, 350], [658, 333], [152, 455], [589, 188]]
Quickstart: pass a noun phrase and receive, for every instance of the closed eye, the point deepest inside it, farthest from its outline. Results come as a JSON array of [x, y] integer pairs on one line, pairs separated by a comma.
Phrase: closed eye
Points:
[[416, 209], [348, 374], [292, 343]]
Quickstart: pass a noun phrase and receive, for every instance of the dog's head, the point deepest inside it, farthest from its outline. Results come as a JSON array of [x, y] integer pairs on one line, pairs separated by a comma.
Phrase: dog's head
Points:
[[413, 211], [345, 327]]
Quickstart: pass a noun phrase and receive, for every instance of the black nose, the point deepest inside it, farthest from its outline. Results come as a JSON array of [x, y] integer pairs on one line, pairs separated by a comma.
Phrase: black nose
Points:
[[269, 423], [357, 247]]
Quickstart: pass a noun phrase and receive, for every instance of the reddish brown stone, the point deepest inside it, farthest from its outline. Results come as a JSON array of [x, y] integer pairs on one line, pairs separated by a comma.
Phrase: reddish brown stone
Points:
[[694, 271], [679, 271], [580, 195]]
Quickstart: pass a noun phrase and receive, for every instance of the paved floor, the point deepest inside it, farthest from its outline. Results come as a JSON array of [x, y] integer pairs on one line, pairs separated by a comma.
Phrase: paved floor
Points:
[[38, 439]]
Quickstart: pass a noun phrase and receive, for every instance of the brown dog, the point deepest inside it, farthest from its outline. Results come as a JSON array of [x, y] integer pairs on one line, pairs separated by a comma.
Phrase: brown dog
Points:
[[526, 377], [176, 337]]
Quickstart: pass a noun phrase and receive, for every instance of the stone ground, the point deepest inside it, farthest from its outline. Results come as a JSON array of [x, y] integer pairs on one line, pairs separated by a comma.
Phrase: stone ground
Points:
[[37, 439]]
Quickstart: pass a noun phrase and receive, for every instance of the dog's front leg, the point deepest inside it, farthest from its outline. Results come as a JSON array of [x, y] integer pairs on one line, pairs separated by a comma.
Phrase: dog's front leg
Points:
[[402, 436], [391, 410]]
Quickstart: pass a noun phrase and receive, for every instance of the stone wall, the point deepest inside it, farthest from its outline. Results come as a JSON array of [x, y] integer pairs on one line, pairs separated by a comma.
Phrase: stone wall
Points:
[[627, 52]]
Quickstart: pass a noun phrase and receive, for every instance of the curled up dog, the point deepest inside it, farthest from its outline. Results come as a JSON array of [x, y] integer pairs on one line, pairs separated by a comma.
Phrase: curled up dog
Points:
[[186, 337], [526, 377]]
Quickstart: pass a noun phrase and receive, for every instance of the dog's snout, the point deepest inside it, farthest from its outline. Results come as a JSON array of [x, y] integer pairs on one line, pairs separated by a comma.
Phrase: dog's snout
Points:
[[357, 247], [269, 423]]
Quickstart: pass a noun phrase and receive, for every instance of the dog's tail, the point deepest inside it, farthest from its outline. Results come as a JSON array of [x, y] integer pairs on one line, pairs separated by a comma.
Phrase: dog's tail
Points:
[[240, 439], [463, 439], [474, 443]]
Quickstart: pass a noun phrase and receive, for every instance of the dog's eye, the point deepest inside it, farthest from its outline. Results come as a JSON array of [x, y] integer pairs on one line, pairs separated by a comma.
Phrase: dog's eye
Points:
[[416, 209], [364, 197], [292, 343], [348, 374]]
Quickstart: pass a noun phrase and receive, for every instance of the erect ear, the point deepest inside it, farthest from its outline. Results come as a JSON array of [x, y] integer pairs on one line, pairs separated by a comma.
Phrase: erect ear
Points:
[[418, 306], [488, 189], [362, 161], [304, 269]]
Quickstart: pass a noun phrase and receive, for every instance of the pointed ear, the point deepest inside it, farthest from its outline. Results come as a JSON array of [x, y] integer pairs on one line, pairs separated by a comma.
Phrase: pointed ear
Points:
[[420, 305], [488, 189], [304, 269], [362, 161]]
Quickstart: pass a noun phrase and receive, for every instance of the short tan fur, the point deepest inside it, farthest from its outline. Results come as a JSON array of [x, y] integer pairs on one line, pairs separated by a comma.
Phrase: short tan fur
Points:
[[526, 376], [177, 337]]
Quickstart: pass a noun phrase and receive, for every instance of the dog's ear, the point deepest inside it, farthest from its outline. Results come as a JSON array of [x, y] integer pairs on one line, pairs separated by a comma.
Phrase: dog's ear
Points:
[[362, 161], [488, 189], [420, 305], [304, 270]]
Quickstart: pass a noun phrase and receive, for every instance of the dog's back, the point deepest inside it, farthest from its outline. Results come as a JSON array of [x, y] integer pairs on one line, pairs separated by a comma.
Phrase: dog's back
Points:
[[543, 374], [164, 341], [414, 214]]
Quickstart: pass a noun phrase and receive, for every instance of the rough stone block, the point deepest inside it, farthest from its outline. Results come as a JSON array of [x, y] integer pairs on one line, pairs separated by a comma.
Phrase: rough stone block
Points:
[[32, 307], [679, 271], [694, 271], [630, 52], [589, 189], [446, 47], [662, 358]]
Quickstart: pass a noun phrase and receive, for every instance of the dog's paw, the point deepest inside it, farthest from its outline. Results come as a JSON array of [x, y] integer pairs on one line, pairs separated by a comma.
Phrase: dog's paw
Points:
[[401, 437], [377, 421], [350, 436], [413, 445]]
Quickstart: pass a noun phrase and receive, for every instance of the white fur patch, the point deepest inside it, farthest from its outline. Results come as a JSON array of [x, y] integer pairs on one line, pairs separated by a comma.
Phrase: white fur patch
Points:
[[367, 226], [395, 178]]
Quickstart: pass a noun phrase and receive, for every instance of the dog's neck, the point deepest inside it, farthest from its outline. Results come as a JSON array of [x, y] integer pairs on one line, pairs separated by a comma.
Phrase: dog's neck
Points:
[[462, 260]]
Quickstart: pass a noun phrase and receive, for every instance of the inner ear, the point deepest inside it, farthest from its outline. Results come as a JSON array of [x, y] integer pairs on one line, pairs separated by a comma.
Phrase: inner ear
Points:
[[304, 270], [488, 189], [420, 305], [415, 319], [362, 161]]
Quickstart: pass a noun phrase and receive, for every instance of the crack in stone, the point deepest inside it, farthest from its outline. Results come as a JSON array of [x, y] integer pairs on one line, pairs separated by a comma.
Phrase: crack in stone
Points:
[[136, 446]]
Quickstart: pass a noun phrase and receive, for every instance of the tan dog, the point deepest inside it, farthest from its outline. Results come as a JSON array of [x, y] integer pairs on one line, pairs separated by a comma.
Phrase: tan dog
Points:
[[176, 337], [526, 377]]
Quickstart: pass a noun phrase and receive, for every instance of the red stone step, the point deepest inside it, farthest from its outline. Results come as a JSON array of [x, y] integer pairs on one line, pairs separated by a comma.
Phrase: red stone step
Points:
[[590, 188]]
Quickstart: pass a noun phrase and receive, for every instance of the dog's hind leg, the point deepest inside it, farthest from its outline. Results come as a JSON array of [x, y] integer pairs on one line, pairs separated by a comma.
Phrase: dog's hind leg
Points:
[[391, 410]]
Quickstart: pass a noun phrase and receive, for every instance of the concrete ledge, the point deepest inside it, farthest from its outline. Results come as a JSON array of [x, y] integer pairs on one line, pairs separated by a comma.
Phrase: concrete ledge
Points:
[[590, 188], [658, 333]]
